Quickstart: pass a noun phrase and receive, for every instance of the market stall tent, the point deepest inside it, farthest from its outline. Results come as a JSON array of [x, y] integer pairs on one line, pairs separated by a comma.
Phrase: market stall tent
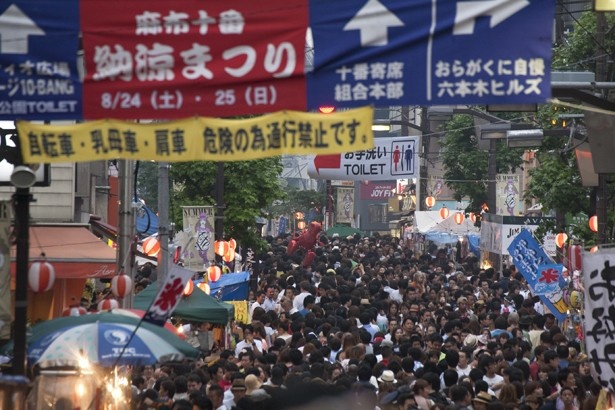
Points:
[[198, 307], [443, 231]]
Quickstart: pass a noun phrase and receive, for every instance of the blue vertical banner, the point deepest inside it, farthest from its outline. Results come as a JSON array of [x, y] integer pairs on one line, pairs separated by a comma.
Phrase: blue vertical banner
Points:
[[39, 41], [430, 52], [542, 276]]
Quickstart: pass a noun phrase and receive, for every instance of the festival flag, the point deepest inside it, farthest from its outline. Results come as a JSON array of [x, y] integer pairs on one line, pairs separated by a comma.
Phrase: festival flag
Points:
[[169, 295]]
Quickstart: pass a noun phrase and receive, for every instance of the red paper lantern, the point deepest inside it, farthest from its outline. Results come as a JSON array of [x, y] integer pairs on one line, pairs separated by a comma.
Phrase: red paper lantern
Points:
[[214, 273], [444, 212], [575, 259], [74, 311], [229, 256], [594, 249], [459, 218], [151, 246], [430, 201], [593, 223], [560, 239], [204, 287], [189, 288], [232, 243], [108, 304], [121, 285], [473, 217], [41, 276], [298, 215], [301, 225], [221, 247]]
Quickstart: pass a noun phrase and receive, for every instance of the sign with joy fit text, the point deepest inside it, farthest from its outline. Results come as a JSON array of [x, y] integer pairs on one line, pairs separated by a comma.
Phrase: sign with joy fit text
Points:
[[430, 52], [161, 59], [391, 158]]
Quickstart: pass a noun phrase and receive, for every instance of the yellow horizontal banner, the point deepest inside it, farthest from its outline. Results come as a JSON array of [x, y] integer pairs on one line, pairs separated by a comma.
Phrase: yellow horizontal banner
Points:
[[199, 139]]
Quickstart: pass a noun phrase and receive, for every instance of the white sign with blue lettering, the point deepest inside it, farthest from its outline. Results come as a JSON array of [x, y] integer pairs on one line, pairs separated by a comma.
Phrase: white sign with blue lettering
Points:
[[430, 52], [38, 60]]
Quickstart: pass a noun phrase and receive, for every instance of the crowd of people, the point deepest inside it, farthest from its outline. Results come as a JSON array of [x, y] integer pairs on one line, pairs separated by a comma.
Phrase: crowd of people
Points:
[[372, 324]]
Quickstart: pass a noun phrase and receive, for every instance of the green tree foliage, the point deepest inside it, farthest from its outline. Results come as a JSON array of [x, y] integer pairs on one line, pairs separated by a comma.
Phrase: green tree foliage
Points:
[[467, 166], [249, 188], [556, 183], [579, 50], [147, 183]]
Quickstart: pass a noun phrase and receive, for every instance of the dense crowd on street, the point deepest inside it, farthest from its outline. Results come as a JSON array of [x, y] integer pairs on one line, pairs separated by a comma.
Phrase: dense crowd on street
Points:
[[372, 324]]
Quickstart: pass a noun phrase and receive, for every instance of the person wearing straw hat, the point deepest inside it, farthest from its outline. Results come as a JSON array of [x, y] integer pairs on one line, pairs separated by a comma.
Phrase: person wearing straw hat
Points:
[[481, 401]]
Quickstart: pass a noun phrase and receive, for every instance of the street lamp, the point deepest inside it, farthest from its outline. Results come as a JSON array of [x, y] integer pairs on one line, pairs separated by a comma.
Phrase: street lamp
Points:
[[22, 178]]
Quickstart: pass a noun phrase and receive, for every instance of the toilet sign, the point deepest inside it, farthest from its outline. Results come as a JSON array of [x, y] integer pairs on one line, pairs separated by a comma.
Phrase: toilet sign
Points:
[[391, 158], [38, 60]]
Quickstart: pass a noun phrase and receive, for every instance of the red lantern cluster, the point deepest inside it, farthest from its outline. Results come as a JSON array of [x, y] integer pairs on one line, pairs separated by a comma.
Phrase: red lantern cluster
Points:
[[108, 304], [121, 285], [575, 259], [560, 239], [41, 276], [214, 273], [189, 288], [593, 223], [459, 218], [430, 201], [151, 246], [74, 311], [204, 287]]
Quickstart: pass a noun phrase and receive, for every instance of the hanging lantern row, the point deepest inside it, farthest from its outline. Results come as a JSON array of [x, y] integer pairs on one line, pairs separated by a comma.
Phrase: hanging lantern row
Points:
[[430, 201], [561, 239], [74, 311], [575, 258], [221, 247], [593, 223], [108, 304], [204, 287], [444, 212], [121, 285], [229, 256], [151, 246], [189, 288], [459, 218], [213, 274], [41, 276]]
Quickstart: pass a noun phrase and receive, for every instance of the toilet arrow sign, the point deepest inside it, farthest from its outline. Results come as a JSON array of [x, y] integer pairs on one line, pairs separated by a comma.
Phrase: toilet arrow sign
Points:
[[15, 28]]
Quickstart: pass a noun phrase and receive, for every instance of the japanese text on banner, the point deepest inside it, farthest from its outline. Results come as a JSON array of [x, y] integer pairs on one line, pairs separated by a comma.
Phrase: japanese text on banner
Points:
[[599, 279], [160, 59], [199, 139], [529, 257]]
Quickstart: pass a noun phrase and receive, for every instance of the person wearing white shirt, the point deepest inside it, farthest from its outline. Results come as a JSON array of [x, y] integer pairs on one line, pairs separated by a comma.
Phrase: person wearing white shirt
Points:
[[260, 299], [249, 342], [305, 291]]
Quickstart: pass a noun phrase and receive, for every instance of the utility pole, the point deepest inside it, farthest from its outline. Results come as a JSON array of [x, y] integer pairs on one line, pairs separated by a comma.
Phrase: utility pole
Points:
[[163, 222], [601, 75], [127, 225]]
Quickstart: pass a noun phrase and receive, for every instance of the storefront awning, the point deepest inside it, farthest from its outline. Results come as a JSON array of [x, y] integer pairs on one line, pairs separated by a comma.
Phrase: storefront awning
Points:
[[74, 251]]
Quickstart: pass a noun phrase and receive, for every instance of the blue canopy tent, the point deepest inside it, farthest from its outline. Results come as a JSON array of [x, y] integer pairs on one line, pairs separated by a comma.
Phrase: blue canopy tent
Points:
[[231, 286], [147, 221]]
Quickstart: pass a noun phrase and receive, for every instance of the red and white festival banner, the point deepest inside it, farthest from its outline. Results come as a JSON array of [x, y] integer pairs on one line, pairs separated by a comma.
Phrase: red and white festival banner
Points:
[[599, 283], [169, 295], [161, 59]]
